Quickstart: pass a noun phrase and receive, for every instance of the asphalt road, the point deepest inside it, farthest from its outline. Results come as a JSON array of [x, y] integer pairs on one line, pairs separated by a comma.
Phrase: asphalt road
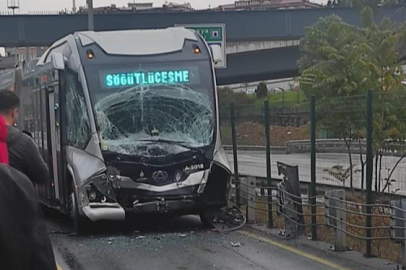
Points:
[[253, 163], [178, 244]]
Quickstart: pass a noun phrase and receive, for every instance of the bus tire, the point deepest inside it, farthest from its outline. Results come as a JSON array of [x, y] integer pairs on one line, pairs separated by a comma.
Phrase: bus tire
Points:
[[80, 223], [206, 216], [205, 220]]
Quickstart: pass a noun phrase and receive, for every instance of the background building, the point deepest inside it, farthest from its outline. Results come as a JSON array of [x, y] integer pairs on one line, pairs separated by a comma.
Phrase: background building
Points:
[[268, 4], [136, 7], [25, 53]]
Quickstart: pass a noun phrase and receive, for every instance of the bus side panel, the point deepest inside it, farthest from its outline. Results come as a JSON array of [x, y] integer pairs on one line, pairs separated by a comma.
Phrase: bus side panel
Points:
[[31, 119]]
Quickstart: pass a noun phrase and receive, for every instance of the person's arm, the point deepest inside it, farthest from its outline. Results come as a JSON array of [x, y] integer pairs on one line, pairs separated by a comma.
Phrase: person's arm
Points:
[[34, 165], [17, 212], [24, 240]]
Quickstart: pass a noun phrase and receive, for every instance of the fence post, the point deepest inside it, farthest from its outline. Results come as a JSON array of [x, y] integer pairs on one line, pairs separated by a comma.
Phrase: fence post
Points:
[[369, 172], [336, 217], [313, 166], [90, 15], [251, 183], [398, 225], [235, 158], [268, 162]]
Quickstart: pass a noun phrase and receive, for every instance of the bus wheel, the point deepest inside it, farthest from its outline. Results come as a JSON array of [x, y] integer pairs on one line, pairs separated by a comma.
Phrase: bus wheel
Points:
[[80, 224], [206, 217], [205, 220]]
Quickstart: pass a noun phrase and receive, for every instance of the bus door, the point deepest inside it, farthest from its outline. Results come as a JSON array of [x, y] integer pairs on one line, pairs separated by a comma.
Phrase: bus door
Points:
[[56, 157], [48, 191]]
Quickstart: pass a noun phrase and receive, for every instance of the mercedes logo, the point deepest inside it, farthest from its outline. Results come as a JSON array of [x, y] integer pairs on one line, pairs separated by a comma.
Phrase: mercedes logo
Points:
[[160, 176]]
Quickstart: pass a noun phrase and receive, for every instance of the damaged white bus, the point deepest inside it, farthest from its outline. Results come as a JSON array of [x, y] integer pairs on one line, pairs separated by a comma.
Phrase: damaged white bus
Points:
[[128, 123]]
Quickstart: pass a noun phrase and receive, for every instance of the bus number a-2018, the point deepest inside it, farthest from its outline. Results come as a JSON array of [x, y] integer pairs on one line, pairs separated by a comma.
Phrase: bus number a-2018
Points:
[[194, 167]]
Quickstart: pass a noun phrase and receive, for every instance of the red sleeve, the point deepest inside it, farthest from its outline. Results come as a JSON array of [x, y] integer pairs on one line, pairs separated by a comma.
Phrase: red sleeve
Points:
[[3, 141]]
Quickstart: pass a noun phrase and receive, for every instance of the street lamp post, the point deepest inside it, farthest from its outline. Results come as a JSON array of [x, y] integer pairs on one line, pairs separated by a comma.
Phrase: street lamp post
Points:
[[90, 15]]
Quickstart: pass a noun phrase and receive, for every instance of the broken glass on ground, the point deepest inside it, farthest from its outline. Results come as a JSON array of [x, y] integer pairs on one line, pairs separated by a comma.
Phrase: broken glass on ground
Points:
[[226, 219]]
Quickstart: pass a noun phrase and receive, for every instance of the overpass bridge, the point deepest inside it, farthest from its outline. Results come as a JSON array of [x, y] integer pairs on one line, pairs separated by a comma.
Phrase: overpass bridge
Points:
[[244, 26], [261, 45]]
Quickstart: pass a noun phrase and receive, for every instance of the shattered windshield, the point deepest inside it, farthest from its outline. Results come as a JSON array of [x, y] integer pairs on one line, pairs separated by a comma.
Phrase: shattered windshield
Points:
[[154, 109]]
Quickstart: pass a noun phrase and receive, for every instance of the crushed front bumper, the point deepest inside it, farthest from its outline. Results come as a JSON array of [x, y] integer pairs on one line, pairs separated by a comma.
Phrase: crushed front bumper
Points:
[[163, 206], [104, 211]]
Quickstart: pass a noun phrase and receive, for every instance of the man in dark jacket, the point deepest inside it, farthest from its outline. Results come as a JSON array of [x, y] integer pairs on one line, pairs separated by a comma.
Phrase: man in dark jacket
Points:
[[23, 152], [24, 241]]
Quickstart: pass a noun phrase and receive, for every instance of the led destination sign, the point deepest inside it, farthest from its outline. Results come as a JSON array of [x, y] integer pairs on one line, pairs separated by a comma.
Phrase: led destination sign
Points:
[[128, 79]]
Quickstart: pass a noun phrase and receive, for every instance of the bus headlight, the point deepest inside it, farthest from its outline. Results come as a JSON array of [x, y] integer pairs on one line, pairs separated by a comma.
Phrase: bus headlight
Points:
[[100, 189]]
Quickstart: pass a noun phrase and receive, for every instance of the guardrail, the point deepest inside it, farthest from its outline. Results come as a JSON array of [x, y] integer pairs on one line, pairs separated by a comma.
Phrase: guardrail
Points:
[[347, 217], [326, 146], [304, 146], [261, 183], [255, 148], [322, 146], [339, 146]]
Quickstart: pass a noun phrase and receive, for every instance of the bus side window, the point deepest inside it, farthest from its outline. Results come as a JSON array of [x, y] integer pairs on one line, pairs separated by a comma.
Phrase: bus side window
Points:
[[77, 118]]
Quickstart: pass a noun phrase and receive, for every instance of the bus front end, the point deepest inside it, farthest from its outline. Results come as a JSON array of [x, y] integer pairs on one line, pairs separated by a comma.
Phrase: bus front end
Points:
[[154, 104]]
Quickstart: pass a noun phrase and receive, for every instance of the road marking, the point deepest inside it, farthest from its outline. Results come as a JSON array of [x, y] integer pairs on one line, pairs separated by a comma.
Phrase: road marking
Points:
[[294, 250], [58, 267]]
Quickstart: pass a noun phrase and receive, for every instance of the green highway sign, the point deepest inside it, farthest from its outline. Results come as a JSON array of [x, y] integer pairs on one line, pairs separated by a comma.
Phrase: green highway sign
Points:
[[210, 34], [213, 34]]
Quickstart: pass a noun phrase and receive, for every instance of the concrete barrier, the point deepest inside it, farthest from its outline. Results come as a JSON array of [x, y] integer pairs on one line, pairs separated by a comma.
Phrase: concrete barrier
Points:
[[254, 148], [325, 146]]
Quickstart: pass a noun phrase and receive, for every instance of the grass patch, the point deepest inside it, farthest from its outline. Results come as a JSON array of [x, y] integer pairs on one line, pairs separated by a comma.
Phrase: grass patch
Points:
[[285, 99], [251, 133]]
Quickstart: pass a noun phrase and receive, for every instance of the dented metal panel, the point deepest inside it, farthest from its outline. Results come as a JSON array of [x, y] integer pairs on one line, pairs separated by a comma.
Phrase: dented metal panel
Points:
[[83, 164]]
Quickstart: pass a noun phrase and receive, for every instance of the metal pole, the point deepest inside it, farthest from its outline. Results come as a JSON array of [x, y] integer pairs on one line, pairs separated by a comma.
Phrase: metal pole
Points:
[[283, 101], [268, 162], [369, 172], [297, 96], [90, 15], [234, 139], [313, 166]]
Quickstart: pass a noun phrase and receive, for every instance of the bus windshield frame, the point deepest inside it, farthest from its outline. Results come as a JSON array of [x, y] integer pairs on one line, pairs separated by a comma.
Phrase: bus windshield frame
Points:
[[161, 118]]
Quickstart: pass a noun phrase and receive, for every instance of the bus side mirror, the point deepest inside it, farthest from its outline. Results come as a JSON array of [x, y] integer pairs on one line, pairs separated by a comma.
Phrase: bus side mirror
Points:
[[58, 61], [216, 53]]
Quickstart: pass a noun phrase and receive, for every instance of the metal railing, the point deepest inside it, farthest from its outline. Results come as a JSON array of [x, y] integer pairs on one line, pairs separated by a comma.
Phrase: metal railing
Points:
[[332, 209], [251, 196]]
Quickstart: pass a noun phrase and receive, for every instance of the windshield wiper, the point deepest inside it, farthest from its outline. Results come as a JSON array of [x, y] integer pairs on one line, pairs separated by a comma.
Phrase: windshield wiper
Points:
[[179, 143]]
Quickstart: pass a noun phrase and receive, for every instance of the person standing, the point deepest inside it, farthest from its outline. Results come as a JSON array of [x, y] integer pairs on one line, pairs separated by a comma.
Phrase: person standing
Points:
[[22, 150], [24, 240], [3, 141]]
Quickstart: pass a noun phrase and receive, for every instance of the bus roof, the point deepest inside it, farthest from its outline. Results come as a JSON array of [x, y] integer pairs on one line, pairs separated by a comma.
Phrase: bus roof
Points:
[[138, 42], [128, 43]]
